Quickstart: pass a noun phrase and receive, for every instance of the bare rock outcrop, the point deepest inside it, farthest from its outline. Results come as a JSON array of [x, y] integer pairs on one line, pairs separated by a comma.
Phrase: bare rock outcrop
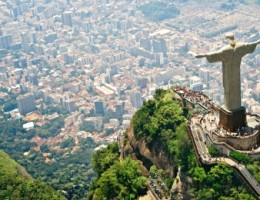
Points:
[[148, 153]]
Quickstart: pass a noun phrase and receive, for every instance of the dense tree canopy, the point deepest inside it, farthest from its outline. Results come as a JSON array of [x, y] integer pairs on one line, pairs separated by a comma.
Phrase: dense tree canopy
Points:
[[213, 151], [218, 183], [70, 173], [122, 180], [104, 158], [254, 168], [158, 11], [241, 157], [16, 183], [159, 117], [116, 179], [162, 119]]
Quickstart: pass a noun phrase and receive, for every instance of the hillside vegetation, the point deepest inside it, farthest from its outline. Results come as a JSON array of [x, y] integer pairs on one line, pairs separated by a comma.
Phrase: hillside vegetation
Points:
[[158, 11], [162, 120], [9, 166], [16, 183], [116, 179], [67, 172]]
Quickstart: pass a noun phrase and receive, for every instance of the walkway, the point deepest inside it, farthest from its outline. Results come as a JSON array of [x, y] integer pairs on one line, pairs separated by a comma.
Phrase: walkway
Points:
[[200, 144], [198, 127]]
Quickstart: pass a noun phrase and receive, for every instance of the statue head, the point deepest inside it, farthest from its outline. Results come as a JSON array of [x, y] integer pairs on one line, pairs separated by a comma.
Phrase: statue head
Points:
[[230, 38]]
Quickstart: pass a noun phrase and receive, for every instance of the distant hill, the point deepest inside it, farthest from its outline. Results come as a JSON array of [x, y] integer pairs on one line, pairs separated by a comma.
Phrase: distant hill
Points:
[[16, 183], [158, 11], [9, 166]]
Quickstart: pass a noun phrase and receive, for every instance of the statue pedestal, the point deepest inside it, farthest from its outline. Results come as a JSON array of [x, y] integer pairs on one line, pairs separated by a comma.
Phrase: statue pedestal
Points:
[[232, 120]]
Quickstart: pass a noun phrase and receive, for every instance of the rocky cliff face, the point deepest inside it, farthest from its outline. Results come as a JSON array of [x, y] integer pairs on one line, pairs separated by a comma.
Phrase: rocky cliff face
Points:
[[154, 154], [148, 153]]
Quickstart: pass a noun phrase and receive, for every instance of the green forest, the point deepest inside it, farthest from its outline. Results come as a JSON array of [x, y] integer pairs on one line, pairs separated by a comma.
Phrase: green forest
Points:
[[70, 173], [116, 179], [16, 183], [159, 11], [218, 182], [162, 120]]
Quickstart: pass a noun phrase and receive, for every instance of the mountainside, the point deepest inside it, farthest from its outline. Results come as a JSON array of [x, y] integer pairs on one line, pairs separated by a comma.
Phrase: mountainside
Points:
[[16, 183], [159, 139], [158, 133], [116, 178], [149, 154], [9, 166]]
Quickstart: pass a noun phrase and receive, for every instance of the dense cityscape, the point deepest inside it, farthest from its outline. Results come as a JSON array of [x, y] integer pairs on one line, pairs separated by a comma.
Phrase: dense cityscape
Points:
[[92, 64], [104, 58]]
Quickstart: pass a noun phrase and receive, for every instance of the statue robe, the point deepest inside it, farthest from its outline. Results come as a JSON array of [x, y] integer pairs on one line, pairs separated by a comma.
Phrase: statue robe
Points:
[[231, 56]]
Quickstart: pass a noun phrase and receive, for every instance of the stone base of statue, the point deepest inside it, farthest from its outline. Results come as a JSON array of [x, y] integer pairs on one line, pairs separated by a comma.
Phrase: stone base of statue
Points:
[[232, 120]]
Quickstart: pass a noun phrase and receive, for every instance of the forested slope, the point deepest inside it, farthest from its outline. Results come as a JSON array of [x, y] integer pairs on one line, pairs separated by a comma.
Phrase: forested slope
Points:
[[16, 183]]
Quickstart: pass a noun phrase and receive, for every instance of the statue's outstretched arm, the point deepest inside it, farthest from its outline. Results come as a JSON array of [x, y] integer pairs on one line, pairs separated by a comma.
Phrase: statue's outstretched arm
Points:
[[212, 56], [201, 56], [249, 47], [255, 43]]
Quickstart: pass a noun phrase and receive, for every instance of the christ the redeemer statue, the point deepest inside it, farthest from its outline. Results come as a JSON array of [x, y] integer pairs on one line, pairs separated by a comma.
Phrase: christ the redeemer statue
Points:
[[231, 56]]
